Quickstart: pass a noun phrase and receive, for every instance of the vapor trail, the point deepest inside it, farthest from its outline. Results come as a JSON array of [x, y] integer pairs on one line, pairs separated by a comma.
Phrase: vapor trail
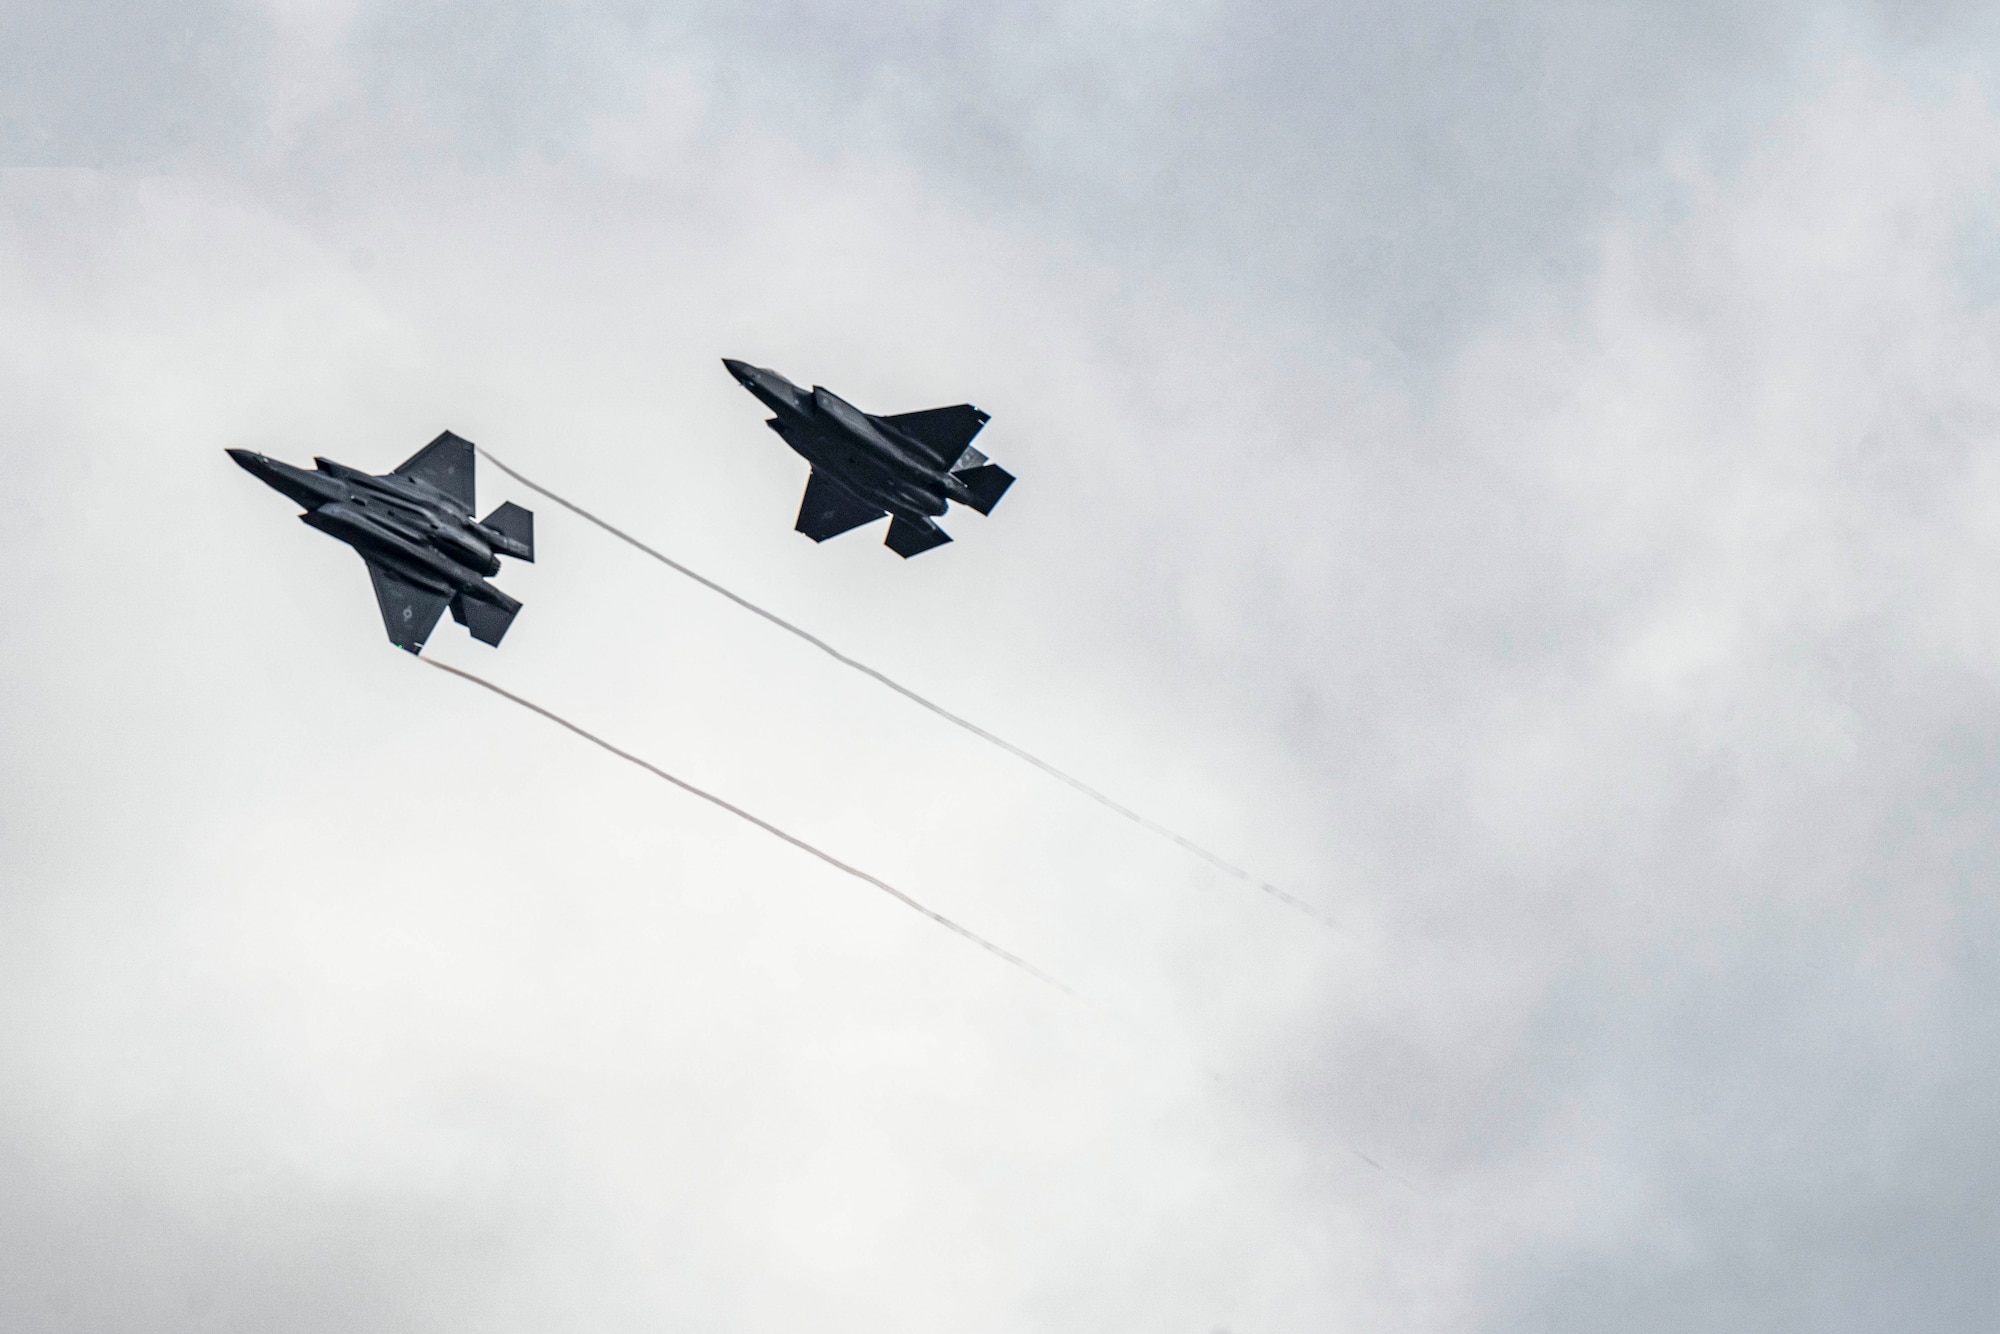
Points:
[[764, 825], [1185, 844], [839, 865]]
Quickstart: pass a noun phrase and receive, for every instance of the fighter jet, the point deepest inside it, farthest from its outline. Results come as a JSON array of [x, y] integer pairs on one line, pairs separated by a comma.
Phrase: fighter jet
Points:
[[863, 466], [414, 530]]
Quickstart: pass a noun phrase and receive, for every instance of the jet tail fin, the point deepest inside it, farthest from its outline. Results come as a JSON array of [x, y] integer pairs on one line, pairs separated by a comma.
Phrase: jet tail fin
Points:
[[906, 539], [987, 482], [487, 621], [517, 526]]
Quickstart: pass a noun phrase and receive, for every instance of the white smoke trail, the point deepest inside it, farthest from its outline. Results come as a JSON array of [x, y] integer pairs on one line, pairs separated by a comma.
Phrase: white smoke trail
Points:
[[764, 825], [1153, 826]]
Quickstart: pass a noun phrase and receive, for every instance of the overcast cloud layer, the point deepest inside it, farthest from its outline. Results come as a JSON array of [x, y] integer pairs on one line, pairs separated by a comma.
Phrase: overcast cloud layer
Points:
[[1524, 477]]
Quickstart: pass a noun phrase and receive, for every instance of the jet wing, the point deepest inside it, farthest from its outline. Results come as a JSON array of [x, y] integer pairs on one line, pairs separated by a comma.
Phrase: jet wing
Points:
[[830, 509], [943, 433], [409, 610], [445, 463]]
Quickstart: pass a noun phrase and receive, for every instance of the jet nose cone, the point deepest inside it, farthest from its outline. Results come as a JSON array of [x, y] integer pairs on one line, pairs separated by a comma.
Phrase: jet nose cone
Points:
[[742, 370], [252, 462]]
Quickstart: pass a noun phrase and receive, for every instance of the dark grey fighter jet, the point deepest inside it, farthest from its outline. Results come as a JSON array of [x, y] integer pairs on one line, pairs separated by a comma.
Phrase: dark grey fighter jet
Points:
[[414, 528], [863, 466]]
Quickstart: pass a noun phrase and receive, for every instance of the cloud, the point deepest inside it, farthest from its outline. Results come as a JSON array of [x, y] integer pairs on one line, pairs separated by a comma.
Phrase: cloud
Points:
[[121, 84], [1520, 477]]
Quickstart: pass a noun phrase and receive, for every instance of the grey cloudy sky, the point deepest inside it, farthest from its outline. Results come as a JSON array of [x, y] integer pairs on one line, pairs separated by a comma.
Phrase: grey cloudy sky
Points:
[[1522, 476]]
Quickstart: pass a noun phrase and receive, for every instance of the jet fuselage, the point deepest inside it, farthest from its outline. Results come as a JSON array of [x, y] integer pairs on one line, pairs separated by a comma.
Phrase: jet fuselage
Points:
[[868, 456], [393, 518], [409, 530]]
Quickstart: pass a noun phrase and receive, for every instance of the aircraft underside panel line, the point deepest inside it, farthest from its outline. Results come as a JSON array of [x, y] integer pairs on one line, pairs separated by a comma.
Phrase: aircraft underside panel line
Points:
[[1185, 844]]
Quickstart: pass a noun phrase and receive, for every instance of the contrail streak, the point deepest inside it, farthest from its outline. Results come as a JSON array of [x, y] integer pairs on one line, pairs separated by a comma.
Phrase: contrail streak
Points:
[[854, 871], [764, 825], [1185, 844]]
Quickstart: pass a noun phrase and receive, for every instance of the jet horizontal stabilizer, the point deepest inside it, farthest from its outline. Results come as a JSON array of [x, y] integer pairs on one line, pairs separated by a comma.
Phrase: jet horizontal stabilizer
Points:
[[517, 526], [906, 539], [987, 482], [487, 622]]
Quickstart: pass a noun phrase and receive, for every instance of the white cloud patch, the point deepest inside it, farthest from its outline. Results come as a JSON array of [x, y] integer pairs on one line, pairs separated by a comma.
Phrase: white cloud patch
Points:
[[1615, 659]]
